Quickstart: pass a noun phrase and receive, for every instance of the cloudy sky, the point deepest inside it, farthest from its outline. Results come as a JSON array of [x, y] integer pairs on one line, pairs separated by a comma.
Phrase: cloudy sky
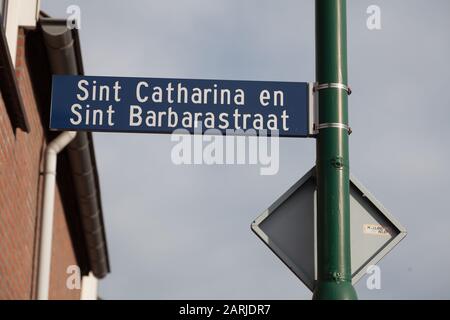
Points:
[[183, 232]]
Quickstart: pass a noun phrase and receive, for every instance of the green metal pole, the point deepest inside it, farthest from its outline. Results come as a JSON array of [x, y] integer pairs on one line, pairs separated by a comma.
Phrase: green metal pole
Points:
[[333, 219]]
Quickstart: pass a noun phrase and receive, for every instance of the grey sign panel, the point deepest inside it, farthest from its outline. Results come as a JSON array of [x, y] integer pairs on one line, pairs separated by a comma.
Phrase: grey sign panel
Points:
[[288, 229]]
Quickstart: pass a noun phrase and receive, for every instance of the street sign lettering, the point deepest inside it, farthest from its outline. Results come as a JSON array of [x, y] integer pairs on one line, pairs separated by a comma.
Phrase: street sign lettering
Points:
[[157, 105]]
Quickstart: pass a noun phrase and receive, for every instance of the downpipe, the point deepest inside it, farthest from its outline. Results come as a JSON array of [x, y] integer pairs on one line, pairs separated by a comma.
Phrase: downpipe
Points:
[[48, 202]]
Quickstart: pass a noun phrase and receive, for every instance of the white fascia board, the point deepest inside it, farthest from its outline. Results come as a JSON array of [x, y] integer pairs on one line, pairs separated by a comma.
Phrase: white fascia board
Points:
[[20, 13]]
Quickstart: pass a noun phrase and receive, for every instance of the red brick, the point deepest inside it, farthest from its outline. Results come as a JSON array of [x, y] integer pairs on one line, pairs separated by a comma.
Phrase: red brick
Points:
[[20, 196]]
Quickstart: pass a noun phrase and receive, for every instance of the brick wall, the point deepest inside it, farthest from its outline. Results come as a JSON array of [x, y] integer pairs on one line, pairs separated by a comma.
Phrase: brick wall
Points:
[[21, 160]]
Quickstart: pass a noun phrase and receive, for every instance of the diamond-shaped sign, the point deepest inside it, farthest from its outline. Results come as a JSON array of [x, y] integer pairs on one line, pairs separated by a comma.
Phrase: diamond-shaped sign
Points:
[[288, 228]]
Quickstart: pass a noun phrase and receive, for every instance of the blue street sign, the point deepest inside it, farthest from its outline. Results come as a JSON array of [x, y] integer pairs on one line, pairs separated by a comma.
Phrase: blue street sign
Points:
[[157, 105]]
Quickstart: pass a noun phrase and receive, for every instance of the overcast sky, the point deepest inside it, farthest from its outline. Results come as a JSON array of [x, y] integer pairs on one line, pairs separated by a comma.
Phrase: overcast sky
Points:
[[183, 232]]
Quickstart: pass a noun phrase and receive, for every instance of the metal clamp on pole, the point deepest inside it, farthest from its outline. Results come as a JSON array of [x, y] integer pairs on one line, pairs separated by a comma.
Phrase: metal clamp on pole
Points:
[[333, 125], [342, 86]]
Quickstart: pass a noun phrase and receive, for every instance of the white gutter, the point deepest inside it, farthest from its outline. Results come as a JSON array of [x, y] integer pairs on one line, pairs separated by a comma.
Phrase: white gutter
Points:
[[45, 245]]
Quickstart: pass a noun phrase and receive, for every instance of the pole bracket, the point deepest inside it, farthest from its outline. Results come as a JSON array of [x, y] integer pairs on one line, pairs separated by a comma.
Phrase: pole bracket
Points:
[[321, 86], [332, 125]]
